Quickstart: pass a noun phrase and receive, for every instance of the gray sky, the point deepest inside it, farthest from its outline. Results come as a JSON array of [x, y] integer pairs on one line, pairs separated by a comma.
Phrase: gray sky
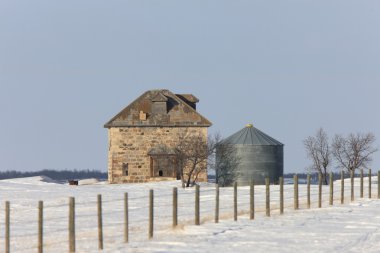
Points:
[[289, 67]]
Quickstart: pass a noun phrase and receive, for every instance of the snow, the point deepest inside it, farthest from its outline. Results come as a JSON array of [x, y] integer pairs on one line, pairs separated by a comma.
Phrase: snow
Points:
[[88, 181], [38, 180], [351, 227]]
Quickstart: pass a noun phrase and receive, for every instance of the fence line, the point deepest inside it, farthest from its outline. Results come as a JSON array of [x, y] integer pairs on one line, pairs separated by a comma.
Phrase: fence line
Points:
[[241, 201]]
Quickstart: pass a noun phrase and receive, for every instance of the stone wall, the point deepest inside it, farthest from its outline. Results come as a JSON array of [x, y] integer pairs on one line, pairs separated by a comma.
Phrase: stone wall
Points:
[[129, 147]]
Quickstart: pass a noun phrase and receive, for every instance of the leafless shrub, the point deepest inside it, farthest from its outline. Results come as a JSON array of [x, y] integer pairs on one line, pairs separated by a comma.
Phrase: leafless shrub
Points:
[[227, 162], [354, 151], [319, 151], [192, 152]]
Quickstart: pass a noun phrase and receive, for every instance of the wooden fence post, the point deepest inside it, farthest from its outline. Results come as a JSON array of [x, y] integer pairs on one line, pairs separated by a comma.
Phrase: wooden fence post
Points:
[[197, 219], [331, 201], [40, 226], [151, 214], [7, 227], [235, 202], [352, 186], [361, 184], [308, 192], [175, 207], [281, 195], [378, 184], [319, 190], [252, 201], [342, 187], [126, 218], [295, 179], [369, 183], [71, 224], [217, 203], [100, 223], [267, 195]]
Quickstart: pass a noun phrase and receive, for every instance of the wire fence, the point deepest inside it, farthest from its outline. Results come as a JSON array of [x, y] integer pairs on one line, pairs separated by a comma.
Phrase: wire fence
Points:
[[94, 223]]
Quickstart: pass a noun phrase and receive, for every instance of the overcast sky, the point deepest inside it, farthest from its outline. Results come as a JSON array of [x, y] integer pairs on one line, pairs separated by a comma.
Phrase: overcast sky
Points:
[[288, 67]]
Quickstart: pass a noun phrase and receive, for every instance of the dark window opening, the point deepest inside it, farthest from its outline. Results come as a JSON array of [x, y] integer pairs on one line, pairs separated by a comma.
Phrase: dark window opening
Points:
[[125, 169], [160, 173]]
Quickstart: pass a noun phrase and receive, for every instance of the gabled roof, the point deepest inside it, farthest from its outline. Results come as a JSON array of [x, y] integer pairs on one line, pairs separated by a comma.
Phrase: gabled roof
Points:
[[252, 136], [179, 112], [158, 97]]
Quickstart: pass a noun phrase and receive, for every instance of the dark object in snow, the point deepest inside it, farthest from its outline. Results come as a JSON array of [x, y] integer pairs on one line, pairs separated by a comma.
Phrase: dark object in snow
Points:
[[73, 182]]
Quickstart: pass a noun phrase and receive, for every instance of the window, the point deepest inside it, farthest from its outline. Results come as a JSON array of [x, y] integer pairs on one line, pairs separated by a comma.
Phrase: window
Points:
[[125, 169]]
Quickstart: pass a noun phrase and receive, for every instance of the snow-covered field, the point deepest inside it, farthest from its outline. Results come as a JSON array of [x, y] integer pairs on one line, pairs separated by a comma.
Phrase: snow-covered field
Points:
[[352, 227]]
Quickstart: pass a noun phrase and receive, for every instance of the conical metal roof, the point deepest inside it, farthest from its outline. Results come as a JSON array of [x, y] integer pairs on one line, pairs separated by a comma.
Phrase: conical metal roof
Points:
[[252, 136]]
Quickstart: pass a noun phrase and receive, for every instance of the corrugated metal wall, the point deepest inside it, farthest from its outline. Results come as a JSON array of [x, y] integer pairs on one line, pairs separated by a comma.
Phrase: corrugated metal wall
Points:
[[259, 162]]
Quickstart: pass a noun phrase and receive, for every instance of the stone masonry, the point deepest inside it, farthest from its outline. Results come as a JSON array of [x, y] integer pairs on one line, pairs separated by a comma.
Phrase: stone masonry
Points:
[[131, 146], [142, 137]]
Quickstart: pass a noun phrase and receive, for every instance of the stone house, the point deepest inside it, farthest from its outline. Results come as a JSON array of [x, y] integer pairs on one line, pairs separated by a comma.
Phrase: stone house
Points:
[[142, 137]]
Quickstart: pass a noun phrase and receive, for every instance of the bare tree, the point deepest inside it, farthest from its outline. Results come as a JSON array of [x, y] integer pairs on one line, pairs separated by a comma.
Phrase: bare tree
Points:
[[223, 159], [192, 153], [354, 151], [227, 163], [318, 150]]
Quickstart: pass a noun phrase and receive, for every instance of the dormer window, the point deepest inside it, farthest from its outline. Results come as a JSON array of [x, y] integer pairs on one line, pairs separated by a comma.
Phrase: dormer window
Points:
[[159, 104], [189, 99]]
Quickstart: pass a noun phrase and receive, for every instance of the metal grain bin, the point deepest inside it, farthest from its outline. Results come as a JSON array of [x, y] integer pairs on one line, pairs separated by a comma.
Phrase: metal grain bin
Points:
[[260, 156]]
